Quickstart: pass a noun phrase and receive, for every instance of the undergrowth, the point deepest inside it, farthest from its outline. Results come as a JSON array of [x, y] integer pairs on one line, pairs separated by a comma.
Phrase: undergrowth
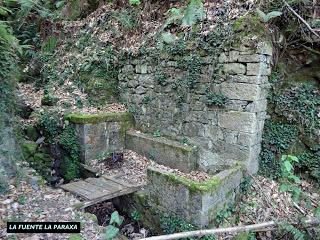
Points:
[[293, 126], [173, 224]]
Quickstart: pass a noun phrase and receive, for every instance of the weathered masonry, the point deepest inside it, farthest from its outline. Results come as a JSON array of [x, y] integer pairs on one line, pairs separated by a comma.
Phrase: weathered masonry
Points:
[[223, 135], [100, 133], [220, 139]]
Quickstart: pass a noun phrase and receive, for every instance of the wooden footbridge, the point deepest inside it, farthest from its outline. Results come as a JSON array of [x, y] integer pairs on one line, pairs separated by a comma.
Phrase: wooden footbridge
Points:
[[95, 190]]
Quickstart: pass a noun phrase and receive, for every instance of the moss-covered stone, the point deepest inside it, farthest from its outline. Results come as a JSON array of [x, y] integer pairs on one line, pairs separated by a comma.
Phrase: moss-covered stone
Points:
[[249, 24], [194, 201], [194, 186], [97, 118], [163, 150]]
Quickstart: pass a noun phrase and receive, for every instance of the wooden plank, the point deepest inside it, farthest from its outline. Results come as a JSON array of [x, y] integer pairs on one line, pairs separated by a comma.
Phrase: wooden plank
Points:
[[75, 189], [96, 191], [85, 190], [105, 184], [110, 196], [115, 179]]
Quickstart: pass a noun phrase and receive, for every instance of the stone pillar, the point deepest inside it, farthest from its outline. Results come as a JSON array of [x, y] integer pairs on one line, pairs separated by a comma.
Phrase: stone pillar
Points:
[[247, 72]]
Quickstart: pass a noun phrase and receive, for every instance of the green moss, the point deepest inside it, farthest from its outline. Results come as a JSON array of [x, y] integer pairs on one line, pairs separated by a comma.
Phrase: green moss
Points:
[[41, 162], [29, 149], [247, 25], [96, 118], [140, 198], [126, 124], [49, 100], [194, 186], [75, 236], [31, 132], [244, 236]]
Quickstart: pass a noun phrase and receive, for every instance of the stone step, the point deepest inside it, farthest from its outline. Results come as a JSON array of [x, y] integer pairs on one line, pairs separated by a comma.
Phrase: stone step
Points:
[[162, 150]]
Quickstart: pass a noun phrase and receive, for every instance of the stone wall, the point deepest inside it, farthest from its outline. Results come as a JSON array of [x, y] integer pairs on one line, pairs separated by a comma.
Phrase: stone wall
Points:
[[223, 134], [100, 134], [195, 202]]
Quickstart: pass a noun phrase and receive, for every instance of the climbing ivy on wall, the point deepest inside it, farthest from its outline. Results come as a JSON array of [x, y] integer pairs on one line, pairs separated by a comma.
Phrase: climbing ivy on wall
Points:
[[292, 129], [188, 52], [277, 138], [61, 135]]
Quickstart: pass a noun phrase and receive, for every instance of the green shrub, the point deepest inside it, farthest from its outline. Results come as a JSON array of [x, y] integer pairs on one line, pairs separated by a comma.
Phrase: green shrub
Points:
[[50, 122], [50, 45], [134, 2], [309, 162], [277, 138]]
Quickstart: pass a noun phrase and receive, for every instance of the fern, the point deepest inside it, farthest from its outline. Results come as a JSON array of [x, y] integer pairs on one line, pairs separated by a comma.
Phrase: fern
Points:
[[193, 13], [267, 17], [295, 232]]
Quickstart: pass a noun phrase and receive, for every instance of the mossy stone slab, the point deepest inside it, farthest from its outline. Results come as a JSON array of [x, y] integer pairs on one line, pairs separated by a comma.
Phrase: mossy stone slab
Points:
[[162, 150]]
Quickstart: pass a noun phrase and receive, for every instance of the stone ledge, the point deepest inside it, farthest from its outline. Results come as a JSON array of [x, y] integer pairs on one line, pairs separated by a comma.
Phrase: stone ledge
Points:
[[163, 151], [79, 118]]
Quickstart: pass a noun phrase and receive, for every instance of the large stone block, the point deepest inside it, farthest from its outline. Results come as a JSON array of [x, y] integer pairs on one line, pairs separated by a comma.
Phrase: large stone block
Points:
[[234, 68], [163, 151], [248, 79], [252, 58], [265, 48], [240, 91], [249, 139], [195, 202], [100, 133], [258, 69], [238, 121]]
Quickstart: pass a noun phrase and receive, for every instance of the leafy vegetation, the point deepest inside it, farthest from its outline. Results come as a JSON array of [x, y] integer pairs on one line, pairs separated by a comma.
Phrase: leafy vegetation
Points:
[[112, 229], [215, 99], [173, 224], [292, 129], [289, 179], [277, 138], [61, 135]]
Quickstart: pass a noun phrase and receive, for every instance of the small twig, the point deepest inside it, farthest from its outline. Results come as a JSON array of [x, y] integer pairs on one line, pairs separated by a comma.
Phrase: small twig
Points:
[[299, 208], [301, 19], [263, 193], [311, 50]]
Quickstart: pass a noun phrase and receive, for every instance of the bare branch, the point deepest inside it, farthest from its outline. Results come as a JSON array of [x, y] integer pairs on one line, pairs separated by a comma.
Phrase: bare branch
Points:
[[200, 233], [301, 19]]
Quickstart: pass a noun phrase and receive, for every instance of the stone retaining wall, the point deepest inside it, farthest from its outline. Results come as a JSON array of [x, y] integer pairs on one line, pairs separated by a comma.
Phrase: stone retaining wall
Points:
[[100, 133], [195, 202], [224, 134], [163, 151]]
